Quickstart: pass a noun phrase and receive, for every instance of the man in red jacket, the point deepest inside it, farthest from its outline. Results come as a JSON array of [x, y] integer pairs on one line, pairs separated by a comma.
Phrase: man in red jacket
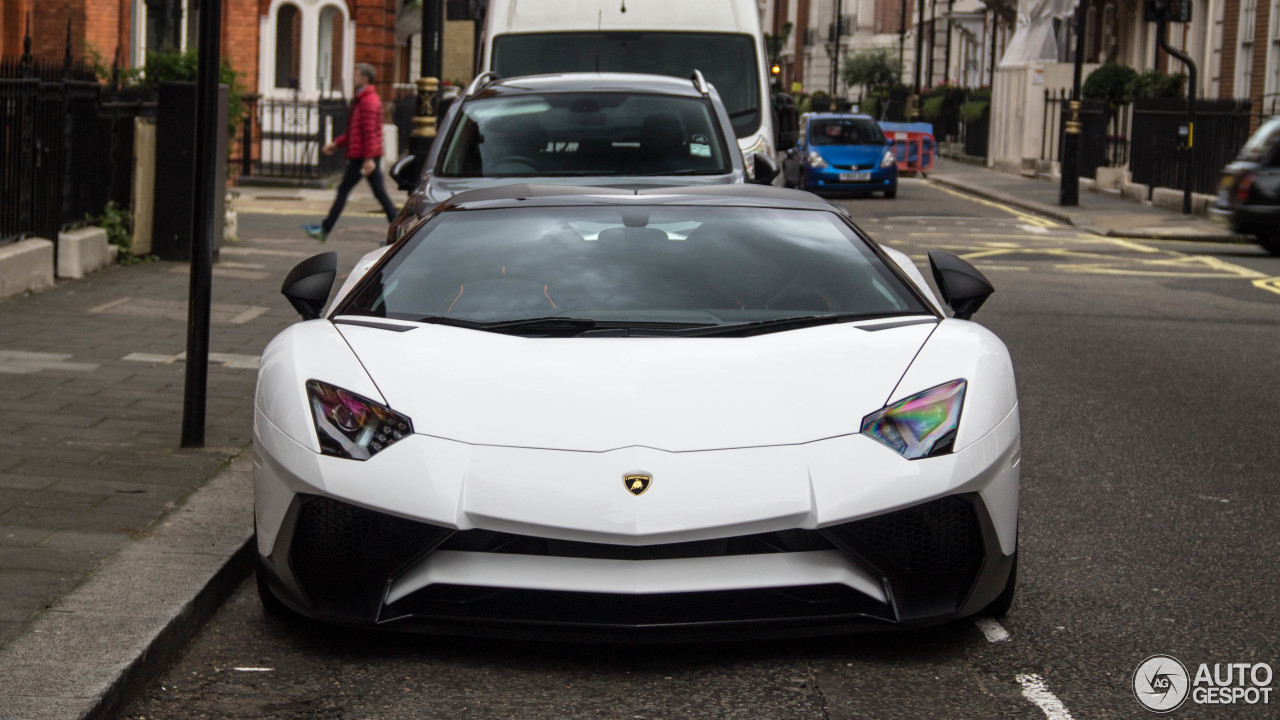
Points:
[[363, 140]]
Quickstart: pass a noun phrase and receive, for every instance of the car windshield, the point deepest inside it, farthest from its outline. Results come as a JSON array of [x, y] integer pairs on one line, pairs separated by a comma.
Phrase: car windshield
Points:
[[703, 267], [728, 61], [1262, 140], [597, 134], [845, 131]]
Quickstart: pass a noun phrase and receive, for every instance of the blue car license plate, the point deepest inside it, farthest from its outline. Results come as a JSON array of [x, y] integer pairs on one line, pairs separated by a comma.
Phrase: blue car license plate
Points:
[[854, 177]]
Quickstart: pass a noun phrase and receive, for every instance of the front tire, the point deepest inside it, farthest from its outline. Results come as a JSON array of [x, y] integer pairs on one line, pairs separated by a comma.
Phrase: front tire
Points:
[[891, 193], [1270, 243], [1000, 606]]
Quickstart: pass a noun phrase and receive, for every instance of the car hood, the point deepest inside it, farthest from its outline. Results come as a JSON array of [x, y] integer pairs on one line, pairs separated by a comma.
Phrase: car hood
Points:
[[851, 154], [601, 393], [439, 189]]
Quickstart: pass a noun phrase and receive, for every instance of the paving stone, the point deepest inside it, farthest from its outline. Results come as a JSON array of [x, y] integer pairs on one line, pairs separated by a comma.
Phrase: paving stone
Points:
[[25, 482], [22, 536], [115, 487], [23, 592], [46, 558], [85, 541], [48, 498], [72, 520]]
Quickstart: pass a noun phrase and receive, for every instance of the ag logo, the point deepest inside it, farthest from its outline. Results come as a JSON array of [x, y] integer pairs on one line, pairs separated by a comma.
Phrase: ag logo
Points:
[[1161, 683], [637, 483]]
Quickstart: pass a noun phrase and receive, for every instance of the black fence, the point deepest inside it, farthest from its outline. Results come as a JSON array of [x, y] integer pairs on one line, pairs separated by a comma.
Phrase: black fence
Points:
[[61, 158], [975, 134], [1222, 127], [282, 138], [1104, 132]]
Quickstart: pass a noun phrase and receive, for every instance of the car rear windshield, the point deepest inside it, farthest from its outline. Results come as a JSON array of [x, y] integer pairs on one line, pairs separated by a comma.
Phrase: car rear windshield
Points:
[[598, 134], [1262, 140], [701, 265], [728, 61], [845, 131]]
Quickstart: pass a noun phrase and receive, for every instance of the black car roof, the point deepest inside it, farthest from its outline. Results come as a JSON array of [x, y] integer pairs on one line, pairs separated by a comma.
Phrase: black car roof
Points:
[[527, 194], [591, 82]]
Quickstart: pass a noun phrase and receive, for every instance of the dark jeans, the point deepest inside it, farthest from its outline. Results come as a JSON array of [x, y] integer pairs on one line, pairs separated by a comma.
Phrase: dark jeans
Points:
[[350, 178]]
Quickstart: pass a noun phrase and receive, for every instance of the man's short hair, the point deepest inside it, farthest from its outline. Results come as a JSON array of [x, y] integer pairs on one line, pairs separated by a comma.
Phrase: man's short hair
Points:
[[368, 71]]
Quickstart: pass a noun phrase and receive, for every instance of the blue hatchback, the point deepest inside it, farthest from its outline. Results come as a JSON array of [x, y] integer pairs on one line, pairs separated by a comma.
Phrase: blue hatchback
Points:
[[841, 153]]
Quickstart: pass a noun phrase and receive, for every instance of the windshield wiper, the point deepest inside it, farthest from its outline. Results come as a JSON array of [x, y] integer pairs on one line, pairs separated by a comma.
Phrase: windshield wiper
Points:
[[684, 171], [761, 327], [569, 326]]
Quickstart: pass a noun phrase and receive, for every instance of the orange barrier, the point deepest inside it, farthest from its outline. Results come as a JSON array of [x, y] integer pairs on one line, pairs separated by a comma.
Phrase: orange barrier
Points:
[[914, 151]]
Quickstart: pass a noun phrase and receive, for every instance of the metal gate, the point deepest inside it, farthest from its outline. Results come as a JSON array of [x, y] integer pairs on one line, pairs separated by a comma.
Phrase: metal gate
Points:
[[1222, 127]]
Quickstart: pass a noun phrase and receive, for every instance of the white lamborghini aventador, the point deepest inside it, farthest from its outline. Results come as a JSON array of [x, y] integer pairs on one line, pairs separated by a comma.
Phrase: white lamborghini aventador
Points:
[[597, 412]]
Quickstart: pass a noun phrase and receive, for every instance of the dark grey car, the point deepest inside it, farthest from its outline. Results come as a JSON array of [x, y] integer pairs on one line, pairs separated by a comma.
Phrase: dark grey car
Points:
[[592, 129]]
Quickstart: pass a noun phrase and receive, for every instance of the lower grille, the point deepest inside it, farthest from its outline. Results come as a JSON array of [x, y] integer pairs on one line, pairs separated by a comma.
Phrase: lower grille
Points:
[[930, 554], [451, 603], [763, 543], [343, 556]]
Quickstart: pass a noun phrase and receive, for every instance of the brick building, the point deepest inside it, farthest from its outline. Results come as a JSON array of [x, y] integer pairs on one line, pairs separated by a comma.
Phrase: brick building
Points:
[[279, 47]]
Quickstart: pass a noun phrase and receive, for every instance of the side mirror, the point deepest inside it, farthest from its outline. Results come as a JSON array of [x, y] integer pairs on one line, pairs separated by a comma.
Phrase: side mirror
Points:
[[964, 288], [766, 169], [405, 172], [308, 284]]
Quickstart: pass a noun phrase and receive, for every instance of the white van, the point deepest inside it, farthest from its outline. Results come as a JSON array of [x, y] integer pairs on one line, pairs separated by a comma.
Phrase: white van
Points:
[[722, 38]]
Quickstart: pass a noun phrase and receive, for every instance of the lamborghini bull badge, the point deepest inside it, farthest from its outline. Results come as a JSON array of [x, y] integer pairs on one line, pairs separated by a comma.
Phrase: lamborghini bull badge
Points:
[[637, 483]]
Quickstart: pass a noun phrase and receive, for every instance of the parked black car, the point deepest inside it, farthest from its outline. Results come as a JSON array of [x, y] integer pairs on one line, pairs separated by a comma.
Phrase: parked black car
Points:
[[1249, 196]]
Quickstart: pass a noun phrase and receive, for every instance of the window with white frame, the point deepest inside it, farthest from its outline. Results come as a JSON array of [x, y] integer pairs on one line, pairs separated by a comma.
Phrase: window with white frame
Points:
[[1273, 54], [161, 25], [1244, 49], [305, 47]]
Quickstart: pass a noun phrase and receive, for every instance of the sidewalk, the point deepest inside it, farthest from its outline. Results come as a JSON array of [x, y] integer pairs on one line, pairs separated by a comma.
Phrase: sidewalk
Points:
[[91, 394], [1100, 213], [313, 201]]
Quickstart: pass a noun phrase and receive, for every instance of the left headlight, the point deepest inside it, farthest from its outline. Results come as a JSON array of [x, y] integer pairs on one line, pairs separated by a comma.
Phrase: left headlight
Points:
[[888, 159], [351, 426], [923, 425], [815, 160]]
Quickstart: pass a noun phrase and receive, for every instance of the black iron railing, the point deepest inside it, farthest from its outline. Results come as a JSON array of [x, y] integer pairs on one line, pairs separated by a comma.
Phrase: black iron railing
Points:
[[1104, 132], [283, 137], [1222, 127]]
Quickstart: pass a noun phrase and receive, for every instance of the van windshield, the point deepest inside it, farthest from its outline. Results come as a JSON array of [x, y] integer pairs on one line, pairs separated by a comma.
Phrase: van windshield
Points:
[[728, 61], [600, 134]]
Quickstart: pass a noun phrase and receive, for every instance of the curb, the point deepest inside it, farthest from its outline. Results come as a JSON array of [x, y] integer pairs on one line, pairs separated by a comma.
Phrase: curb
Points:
[[1082, 220], [94, 650], [1053, 213]]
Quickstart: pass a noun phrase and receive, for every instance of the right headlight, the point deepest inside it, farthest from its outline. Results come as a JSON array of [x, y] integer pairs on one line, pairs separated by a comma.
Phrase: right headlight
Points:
[[351, 426], [815, 160], [923, 425]]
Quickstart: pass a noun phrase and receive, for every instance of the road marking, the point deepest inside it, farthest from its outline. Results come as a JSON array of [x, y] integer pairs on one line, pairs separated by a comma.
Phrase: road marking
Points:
[[254, 669], [1034, 689], [222, 313], [1213, 498], [1023, 216], [228, 360], [19, 362], [1268, 284], [262, 251], [993, 630]]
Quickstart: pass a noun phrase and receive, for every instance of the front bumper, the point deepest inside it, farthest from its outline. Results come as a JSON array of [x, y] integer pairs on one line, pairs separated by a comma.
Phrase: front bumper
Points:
[[914, 567], [932, 544], [828, 179]]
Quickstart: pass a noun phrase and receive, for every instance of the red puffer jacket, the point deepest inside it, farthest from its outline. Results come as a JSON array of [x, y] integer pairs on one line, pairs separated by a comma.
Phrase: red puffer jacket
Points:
[[363, 138]]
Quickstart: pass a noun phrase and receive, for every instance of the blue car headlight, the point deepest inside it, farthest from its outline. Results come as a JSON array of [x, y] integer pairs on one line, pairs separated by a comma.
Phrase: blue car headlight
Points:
[[923, 425], [888, 159], [815, 160], [351, 426]]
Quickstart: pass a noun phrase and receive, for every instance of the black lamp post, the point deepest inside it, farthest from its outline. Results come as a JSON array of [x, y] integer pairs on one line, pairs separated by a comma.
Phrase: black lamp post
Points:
[[200, 304], [1069, 189], [424, 122]]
